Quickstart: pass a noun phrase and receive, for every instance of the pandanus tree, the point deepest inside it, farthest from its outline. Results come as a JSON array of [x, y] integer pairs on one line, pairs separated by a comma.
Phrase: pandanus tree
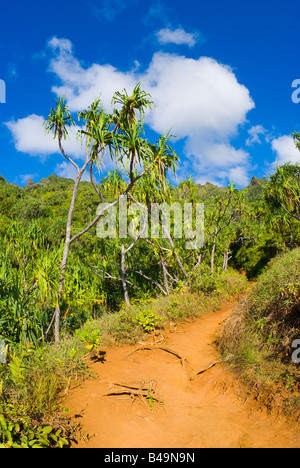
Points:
[[283, 190], [121, 134], [222, 221]]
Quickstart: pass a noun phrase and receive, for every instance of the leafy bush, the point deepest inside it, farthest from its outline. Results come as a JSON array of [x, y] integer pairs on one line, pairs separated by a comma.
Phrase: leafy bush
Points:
[[90, 336], [273, 307], [23, 434], [31, 384], [148, 319], [203, 280], [256, 340]]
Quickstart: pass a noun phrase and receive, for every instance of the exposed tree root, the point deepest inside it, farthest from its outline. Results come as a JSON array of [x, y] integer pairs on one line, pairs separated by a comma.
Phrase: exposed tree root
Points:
[[182, 360], [205, 369], [145, 391]]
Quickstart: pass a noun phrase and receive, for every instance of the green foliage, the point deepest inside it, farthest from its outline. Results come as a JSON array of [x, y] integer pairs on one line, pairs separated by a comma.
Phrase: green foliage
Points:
[[257, 339], [245, 229], [283, 190], [31, 384], [90, 337], [274, 304], [203, 280], [22, 434], [148, 319]]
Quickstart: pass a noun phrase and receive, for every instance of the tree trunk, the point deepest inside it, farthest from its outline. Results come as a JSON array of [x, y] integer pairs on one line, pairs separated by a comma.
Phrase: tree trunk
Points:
[[65, 259], [165, 277], [225, 261], [123, 275], [213, 251]]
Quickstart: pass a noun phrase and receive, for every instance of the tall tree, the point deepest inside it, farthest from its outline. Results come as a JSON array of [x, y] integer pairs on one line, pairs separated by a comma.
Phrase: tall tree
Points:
[[221, 219], [121, 133]]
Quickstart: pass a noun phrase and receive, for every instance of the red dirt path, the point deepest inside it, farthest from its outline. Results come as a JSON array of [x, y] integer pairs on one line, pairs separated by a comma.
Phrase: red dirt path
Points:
[[197, 413]]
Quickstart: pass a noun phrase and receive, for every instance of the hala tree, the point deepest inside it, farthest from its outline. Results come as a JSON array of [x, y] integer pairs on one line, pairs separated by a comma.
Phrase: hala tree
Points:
[[120, 132], [222, 220], [283, 190]]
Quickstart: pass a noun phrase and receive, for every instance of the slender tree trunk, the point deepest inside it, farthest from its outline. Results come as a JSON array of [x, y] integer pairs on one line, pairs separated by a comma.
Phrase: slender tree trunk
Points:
[[213, 251], [225, 262], [64, 261], [123, 275], [165, 276]]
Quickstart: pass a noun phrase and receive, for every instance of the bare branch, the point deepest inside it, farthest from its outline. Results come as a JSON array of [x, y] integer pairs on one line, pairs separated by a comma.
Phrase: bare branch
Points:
[[108, 276], [65, 154]]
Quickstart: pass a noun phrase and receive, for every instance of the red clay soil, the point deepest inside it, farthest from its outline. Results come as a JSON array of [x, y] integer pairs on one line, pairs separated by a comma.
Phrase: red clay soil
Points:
[[150, 396]]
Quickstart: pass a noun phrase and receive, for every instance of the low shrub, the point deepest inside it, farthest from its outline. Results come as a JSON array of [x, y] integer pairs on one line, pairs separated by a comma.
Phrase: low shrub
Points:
[[273, 307], [31, 385]]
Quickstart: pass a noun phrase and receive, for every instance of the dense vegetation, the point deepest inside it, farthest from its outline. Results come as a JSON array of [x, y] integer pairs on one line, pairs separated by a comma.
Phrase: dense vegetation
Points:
[[64, 291], [257, 340]]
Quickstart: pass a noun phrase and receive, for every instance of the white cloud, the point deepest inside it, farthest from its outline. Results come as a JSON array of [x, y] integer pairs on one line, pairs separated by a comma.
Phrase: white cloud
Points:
[[217, 163], [195, 97], [221, 155], [285, 150], [255, 133], [68, 171], [24, 178], [30, 137], [202, 102], [239, 176], [176, 36], [199, 100], [81, 85], [190, 95]]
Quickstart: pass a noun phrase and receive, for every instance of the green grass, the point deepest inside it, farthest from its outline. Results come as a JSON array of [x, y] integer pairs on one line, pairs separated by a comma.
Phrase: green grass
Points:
[[257, 339], [203, 294], [31, 385]]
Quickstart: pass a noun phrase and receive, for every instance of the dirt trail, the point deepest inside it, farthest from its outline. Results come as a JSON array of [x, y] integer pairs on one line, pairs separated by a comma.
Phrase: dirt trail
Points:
[[190, 411]]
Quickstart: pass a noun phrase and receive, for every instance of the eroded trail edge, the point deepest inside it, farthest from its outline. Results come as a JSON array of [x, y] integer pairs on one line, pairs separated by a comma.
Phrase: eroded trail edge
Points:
[[173, 394]]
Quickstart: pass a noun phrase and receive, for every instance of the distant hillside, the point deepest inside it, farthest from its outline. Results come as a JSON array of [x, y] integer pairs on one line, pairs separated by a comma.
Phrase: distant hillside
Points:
[[51, 197], [255, 188]]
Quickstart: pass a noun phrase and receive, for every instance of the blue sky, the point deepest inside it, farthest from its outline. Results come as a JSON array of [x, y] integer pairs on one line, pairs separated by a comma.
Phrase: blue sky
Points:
[[220, 73]]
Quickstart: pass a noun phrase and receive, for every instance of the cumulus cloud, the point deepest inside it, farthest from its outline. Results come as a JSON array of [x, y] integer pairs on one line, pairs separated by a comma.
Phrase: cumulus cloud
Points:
[[218, 163], [195, 97], [198, 100], [81, 85], [30, 137], [202, 102], [176, 36], [285, 150]]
